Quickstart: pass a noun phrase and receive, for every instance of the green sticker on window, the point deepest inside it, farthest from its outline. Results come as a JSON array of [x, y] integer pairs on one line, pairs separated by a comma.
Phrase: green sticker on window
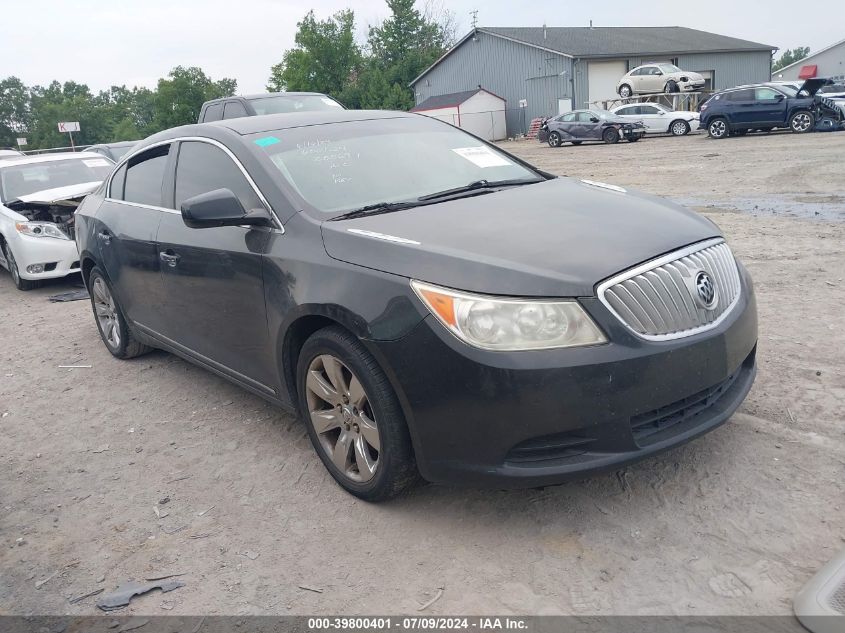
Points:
[[266, 141]]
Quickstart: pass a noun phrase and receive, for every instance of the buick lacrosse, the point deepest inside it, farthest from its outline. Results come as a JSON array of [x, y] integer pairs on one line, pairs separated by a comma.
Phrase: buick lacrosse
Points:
[[429, 304]]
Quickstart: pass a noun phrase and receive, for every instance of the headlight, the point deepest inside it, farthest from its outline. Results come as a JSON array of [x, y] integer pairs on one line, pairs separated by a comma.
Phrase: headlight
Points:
[[40, 229], [510, 324]]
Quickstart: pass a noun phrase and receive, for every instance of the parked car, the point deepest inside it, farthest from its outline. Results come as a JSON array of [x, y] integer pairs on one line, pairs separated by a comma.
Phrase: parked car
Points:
[[658, 118], [651, 78], [9, 153], [112, 151], [832, 90], [39, 195], [589, 125], [429, 303], [761, 107], [267, 103]]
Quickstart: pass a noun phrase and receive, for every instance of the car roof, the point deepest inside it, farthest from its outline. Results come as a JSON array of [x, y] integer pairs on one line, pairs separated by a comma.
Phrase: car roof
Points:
[[267, 122], [264, 95], [46, 158]]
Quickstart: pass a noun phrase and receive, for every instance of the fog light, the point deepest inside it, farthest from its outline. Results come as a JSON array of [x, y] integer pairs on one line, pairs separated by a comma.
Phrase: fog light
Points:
[[34, 269]]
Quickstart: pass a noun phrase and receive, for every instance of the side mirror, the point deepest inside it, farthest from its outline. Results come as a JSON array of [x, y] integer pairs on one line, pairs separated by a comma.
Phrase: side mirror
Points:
[[221, 207], [779, 97], [594, 119], [661, 112]]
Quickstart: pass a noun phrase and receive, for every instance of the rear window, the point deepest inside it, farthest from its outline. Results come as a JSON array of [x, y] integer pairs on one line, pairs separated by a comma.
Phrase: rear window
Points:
[[304, 103]]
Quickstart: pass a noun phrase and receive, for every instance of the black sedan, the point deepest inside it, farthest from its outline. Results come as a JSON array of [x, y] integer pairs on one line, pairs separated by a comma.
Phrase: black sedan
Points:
[[429, 304], [589, 125]]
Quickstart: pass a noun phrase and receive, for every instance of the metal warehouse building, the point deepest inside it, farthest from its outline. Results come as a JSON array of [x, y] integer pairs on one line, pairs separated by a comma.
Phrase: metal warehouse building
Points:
[[828, 62], [541, 71]]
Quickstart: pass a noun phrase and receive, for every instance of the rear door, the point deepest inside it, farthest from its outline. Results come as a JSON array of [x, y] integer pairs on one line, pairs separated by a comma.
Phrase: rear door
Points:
[[741, 110], [125, 228], [213, 276]]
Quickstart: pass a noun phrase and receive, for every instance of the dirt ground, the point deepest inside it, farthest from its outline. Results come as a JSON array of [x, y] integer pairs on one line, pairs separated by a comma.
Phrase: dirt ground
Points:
[[733, 523]]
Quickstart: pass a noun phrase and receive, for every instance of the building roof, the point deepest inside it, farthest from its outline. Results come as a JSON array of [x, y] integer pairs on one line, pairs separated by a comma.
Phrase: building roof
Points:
[[804, 60], [449, 100], [614, 41]]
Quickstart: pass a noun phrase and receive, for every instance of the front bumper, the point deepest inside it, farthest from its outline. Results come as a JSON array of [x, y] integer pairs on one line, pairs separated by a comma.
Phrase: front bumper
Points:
[[692, 87], [59, 257], [529, 419]]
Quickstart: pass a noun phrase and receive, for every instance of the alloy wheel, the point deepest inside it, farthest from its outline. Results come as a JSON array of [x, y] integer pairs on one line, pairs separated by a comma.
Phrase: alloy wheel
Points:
[[679, 128], [342, 416], [624, 92], [106, 312], [718, 128], [13, 265], [801, 122]]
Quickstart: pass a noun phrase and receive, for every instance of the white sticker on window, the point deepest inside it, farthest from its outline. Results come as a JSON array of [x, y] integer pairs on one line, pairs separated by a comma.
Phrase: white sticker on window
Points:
[[97, 162], [482, 156], [334, 104]]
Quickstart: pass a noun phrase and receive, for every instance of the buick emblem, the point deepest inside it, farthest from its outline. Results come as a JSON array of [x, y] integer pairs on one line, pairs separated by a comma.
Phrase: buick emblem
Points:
[[705, 290]]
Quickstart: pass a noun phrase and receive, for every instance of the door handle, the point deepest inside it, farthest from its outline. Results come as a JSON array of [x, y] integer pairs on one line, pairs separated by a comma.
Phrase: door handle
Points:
[[171, 259], [104, 237]]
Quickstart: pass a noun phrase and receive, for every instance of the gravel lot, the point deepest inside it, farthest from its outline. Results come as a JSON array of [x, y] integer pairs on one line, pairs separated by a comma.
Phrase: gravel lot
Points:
[[733, 523]]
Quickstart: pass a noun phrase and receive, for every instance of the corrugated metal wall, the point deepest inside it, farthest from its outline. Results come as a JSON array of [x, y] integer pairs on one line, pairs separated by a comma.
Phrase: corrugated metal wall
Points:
[[831, 64], [511, 70]]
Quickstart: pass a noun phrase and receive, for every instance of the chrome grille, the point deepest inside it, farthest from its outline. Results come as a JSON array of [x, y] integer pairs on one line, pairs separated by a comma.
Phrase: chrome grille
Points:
[[660, 300]]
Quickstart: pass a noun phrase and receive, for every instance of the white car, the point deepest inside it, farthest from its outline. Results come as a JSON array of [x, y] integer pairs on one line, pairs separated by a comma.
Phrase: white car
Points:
[[658, 118], [38, 196], [652, 78]]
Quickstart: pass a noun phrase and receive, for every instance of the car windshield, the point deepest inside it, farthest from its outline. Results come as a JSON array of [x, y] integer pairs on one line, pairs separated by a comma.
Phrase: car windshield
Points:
[[22, 180], [789, 90], [669, 68], [281, 104], [349, 165]]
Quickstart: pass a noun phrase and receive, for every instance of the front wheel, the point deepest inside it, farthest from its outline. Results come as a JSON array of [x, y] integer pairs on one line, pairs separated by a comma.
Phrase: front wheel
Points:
[[679, 128], [718, 128], [610, 135], [554, 139], [801, 122], [671, 86], [111, 322], [353, 416], [20, 282]]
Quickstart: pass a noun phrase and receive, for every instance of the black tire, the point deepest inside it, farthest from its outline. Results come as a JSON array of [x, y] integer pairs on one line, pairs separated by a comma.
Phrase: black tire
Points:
[[671, 87], [555, 140], [610, 135], [20, 282], [577, 142], [623, 89], [126, 345], [679, 127], [718, 128], [802, 121], [396, 471]]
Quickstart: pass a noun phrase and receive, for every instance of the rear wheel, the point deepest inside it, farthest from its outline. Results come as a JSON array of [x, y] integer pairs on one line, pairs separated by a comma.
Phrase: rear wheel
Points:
[[20, 282], [353, 416], [624, 91], [679, 128], [802, 121], [718, 128], [610, 135], [110, 320]]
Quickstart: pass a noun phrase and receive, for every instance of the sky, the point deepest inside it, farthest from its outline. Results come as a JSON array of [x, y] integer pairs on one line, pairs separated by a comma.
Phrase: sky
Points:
[[134, 42]]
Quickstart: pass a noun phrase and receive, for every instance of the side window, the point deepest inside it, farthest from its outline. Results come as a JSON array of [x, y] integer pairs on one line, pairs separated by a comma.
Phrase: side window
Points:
[[116, 190], [144, 177], [214, 112], [628, 110], [637, 72], [765, 94], [649, 110], [585, 117], [233, 110], [741, 95], [202, 167], [569, 117]]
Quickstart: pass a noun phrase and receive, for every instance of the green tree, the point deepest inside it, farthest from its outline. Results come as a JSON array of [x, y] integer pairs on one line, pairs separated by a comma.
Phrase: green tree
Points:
[[790, 56], [180, 96], [14, 110], [324, 59]]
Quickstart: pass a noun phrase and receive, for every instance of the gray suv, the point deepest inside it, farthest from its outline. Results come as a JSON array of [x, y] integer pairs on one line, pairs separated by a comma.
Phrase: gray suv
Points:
[[267, 103]]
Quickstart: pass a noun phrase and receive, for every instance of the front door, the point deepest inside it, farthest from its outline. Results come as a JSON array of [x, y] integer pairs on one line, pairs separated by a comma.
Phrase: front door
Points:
[[654, 118], [213, 276], [126, 226]]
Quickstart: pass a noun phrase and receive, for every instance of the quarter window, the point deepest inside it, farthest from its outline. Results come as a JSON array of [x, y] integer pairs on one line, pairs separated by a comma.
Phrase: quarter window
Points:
[[145, 175], [202, 167]]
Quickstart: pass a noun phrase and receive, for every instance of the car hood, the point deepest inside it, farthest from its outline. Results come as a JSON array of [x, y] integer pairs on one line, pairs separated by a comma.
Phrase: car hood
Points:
[[812, 86], [56, 195], [553, 239]]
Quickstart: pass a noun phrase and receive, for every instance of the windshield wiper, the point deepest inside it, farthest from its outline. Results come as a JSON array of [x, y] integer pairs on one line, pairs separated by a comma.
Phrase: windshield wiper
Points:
[[376, 208], [474, 186]]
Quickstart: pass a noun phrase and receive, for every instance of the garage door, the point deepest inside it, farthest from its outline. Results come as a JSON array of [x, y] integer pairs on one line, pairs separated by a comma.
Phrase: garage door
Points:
[[602, 78]]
